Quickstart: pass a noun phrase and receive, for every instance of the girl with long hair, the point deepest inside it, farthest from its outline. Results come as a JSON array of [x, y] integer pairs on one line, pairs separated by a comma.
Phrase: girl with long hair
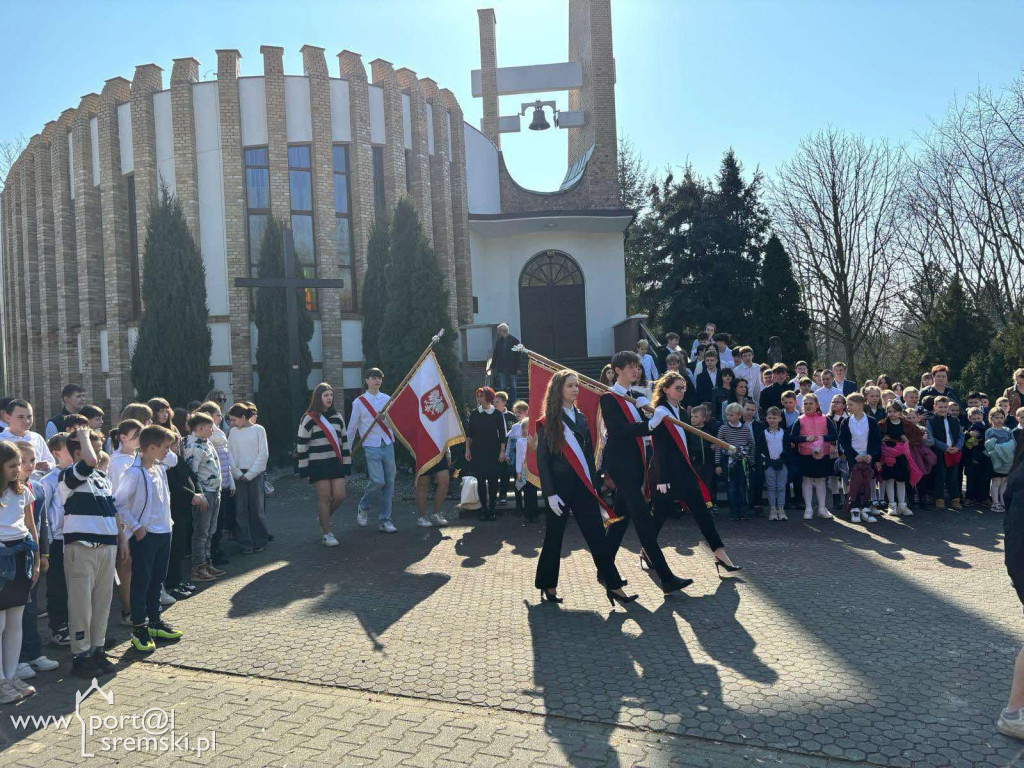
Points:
[[565, 463], [673, 479], [249, 454], [813, 434], [324, 458]]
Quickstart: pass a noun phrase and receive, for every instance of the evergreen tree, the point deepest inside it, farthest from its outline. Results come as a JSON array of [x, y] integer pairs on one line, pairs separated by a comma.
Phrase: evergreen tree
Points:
[[416, 306], [954, 331], [278, 414], [708, 239], [634, 194], [375, 289], [172, 354], [777, 306]]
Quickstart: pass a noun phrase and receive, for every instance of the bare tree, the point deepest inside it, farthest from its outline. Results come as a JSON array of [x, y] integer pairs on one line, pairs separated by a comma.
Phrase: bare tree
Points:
[[837, 207], [9, 151]]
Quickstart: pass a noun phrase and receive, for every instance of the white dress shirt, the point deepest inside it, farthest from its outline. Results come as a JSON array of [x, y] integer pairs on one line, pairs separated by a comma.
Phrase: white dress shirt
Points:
[[752, 375], [38, 443], [360, 420]]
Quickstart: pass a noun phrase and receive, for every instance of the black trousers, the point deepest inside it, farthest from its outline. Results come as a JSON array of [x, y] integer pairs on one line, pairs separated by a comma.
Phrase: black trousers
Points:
[[181, 536], [664, 508], [56, 588], [526, 500], [587, 514], [945, 477], [487, 487], [631, 504], [149, 569]]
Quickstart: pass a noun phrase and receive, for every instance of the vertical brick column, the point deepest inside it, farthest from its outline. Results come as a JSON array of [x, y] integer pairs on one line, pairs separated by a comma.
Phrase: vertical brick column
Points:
[[89, 247], [46, 269], [116, 262], [489, 75], [12, 265], [29, 257], [20, 294], [383, 75], [419, 156], [441, 194], [314, 65], [460, 210], [5, 317], [65, 252], [234, 221], [360, 157], [148, 80], [184, 73], [277, 132]]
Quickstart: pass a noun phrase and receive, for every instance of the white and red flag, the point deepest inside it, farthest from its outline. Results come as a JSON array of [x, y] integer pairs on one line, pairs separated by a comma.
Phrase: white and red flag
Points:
[[424, 415]]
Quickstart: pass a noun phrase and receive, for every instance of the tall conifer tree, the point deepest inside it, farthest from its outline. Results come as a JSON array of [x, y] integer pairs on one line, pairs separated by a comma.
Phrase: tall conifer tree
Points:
[[374, 299], [172, 354], [777, 306]]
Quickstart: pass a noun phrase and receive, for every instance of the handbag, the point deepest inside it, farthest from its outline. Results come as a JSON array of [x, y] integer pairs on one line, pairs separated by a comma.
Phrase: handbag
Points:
[[470, 498]]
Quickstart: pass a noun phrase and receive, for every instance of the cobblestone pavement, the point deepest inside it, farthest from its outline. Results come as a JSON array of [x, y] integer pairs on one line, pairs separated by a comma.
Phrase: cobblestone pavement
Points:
[[890, 645]]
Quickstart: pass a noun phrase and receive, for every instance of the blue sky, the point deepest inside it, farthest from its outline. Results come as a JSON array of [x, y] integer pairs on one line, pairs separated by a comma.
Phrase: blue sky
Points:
[[693, 77]]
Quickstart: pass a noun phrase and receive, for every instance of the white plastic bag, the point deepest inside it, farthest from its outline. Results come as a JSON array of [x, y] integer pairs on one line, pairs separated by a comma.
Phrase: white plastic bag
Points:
[[470, 496]]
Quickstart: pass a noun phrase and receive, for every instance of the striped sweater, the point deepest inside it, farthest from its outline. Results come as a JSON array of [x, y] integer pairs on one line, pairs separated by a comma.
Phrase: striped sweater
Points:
[[312, 446], [741, 436]]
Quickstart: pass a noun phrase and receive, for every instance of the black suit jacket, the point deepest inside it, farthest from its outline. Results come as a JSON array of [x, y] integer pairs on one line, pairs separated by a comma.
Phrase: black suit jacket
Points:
[[668, 465], [849, 387], [555, 472], [705, 389], [622, 459]]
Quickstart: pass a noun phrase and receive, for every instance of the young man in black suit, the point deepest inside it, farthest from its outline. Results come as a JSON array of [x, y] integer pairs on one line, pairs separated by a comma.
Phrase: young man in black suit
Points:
[[848, 386]]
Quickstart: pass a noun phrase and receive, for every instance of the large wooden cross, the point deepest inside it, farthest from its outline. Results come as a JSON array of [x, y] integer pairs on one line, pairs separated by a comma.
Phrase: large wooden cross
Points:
[[290, 283]]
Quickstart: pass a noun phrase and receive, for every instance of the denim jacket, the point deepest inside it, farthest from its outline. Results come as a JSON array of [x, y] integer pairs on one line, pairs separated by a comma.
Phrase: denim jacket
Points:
[[9, 559]]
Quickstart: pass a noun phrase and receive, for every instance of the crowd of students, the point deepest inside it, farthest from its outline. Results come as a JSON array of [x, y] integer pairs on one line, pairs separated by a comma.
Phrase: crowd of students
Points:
[[144, 508]]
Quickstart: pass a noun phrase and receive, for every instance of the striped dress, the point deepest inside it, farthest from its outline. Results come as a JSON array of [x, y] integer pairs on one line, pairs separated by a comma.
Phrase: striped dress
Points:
[[317, 459]]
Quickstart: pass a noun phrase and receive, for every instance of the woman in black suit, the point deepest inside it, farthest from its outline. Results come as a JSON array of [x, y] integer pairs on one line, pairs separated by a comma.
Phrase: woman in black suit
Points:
[[673, 478], [562, 435]]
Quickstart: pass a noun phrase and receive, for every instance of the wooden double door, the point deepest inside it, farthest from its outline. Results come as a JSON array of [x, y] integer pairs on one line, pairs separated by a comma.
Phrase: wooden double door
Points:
[[553, 306]]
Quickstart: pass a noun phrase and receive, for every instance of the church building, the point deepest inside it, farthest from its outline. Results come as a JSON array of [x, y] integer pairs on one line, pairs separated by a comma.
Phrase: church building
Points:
[[325, 151]]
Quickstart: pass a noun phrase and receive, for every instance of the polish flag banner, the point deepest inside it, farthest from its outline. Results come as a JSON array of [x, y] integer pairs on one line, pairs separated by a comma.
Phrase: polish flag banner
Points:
[[424, 415], [588, 401]]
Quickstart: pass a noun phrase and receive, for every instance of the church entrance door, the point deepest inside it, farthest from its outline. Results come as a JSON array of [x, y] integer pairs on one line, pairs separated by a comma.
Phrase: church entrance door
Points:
[[553, 306]]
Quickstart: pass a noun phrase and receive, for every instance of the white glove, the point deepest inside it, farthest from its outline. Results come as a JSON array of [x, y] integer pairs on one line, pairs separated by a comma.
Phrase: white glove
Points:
[[659, 414], [555, 504], [641, 401], [663, 487]]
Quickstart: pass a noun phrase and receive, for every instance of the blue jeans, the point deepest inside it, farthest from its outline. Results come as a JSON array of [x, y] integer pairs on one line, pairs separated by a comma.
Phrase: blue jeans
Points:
[[150, 556], [380, 465], [507, 382], [775, 479], [736, 492]]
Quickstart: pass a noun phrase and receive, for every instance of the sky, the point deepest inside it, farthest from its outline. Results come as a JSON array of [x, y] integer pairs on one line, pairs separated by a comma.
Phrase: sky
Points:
[[694, 77]]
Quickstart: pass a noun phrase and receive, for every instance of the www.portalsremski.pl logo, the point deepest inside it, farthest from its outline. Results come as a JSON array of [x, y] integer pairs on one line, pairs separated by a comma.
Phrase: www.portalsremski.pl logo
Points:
[[152, 730]]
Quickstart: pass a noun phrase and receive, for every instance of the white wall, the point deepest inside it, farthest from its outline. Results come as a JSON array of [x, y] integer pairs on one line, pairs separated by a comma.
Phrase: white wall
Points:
[[104, 351], [498, 262], [212, 235], [220, 351], [94, 143], [341, 122], [296, 102], [164, 130], [124, 137], [377, 130], [252, 105], [481, 172]]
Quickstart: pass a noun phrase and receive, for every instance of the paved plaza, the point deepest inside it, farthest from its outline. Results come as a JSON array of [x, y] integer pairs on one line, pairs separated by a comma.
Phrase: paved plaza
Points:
[[890, 645]]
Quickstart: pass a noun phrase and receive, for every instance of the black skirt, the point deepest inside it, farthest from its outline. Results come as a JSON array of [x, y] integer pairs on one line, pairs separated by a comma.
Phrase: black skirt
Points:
[[441, 466], [812, 467], [900, 471], [326, 470], [15, 592]]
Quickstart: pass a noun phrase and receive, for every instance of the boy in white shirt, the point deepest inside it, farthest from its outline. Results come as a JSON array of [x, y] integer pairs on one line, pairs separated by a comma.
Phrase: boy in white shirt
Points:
[[19, 414], [379, 446]]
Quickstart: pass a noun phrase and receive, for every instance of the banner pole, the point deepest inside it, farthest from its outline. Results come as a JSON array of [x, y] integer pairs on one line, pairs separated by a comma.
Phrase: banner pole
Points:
[[398, 389], [593, 383]]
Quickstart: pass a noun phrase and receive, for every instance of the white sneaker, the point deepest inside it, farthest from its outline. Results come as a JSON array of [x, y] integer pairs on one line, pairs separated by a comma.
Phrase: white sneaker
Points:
[[867, 517], [808, 514], [854, 515], [329, 540], [8, 693], [424, 522], [905, 510], [438, 519], [44, 664], [24, 671], [22, 687], [361, 517], [782, 515], [126, 619], [771, 513], [1012, 725], [386, 526], [824, 514], [166, 599]]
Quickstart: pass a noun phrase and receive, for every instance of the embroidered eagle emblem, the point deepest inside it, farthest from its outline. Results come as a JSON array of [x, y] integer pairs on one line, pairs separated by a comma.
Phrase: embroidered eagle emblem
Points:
[[433, 403]]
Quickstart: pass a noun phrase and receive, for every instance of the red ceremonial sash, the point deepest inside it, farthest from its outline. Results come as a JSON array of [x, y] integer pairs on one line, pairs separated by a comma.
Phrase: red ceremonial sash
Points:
[[624, 405], [572, 452], [328, 430], [680, 442], [373, 413]]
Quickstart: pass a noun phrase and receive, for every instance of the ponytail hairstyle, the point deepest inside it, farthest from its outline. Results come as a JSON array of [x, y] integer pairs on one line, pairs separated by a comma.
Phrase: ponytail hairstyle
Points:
[[316, 403], [551, 407], [8, 451], [240, 411], [114, 436], [666, 381], [141, 412]]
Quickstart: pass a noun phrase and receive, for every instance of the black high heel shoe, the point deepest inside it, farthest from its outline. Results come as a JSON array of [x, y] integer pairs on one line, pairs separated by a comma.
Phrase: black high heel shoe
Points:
[[624, 599], [675, 584], [645, 561], [547, 597], [728, 568]]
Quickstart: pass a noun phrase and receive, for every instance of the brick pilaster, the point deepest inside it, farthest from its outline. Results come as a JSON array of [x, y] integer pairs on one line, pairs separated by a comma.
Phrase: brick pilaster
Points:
[[460, 210], [5, 316], [184, 73], [148, 79], [65, 252], [314, 65], [489, 75], [419, 156], [237, 258], [89, 247], [383, 74], [12, 259], [116, 262], [277, 132], [441, 194], [46, 270], [30, 272], [360, 158], [20, 295]]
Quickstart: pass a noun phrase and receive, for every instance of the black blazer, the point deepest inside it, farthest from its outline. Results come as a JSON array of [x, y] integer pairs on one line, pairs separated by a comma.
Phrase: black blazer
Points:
[[705, 388], [555, 472], [874, 441], [849, 387], [668, 465], [622, 459]]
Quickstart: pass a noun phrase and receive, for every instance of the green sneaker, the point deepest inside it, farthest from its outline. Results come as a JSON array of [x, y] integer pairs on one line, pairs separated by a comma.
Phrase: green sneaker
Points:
[[141, 640], [164, 631]]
